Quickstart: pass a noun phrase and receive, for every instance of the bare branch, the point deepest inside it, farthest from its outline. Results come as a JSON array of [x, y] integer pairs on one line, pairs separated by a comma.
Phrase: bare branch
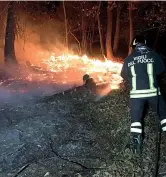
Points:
[[21, 169], [76, 40]]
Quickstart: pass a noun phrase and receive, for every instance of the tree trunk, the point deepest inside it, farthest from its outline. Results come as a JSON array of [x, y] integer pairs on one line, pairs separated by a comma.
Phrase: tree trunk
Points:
[[84, 42], [109, 33], [130, 27], [66, 29], [90, 48], [9, 52], [91, 37], [117, 32], [156, 39], [99, 28]]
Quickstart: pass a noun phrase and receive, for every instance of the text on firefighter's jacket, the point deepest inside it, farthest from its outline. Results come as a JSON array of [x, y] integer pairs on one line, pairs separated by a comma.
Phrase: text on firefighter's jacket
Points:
[[140, 59]]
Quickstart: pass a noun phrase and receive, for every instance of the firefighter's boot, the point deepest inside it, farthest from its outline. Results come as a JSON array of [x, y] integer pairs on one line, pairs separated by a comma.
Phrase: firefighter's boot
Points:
[[137, 143]]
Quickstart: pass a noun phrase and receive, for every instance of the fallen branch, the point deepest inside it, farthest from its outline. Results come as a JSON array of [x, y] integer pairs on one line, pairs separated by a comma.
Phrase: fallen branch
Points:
[[76, 40], [21, 170]]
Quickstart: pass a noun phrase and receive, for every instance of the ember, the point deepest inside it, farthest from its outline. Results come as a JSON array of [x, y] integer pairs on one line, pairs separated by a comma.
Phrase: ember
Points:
[[74, 67], [67, 69]]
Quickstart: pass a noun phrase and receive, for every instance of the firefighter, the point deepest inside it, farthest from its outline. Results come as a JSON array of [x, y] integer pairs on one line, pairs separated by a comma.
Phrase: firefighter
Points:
[[89, 83], [141, 70]]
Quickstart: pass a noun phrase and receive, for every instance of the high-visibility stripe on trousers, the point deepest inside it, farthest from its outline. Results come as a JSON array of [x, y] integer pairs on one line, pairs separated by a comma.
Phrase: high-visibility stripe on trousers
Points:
[[137, 111], [136, 127], [163, 125]]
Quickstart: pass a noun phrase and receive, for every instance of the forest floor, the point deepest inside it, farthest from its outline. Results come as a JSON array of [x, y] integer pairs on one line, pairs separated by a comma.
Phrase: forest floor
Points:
[[72, 135]]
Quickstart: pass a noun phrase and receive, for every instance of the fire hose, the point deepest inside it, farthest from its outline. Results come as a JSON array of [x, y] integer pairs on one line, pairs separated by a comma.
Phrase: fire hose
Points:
[[158, 143], [158, 139]]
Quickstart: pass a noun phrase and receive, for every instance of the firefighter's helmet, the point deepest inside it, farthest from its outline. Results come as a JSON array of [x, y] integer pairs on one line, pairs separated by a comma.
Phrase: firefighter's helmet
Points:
[[137, 40], [86, 77]]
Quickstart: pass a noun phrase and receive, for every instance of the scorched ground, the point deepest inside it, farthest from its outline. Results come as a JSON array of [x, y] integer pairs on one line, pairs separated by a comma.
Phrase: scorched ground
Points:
[[69, 134]]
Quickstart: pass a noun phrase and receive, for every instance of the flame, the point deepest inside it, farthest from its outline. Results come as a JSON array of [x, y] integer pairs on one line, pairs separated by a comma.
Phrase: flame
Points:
[[69, 68], [106, 71]]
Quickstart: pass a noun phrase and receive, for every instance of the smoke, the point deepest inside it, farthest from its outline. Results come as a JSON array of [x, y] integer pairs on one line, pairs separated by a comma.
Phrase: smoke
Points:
[[37, 37], [40, 37], [19, 91], [102, 93]]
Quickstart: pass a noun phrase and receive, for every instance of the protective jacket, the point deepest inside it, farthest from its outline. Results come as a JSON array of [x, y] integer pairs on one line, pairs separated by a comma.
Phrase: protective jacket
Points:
[[140, 69]]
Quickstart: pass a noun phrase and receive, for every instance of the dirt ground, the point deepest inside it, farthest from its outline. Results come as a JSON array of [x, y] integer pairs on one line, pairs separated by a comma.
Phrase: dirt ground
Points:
[[72, 135]]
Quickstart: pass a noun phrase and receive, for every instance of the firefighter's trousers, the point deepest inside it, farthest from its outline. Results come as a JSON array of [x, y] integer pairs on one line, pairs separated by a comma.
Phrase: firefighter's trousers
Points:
[[157, 103]]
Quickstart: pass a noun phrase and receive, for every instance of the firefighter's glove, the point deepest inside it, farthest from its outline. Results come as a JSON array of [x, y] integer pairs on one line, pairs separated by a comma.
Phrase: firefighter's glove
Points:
[[137, 144]]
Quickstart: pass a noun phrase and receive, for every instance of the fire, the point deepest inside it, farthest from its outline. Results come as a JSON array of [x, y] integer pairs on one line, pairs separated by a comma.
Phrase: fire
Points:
[[69, 69], [106, 71]]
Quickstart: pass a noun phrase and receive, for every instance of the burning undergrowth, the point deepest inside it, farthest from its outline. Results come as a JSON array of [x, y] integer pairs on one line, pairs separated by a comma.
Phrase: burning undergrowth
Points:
[[102, 71], [25, 84], [56, 74], [70, 134]]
